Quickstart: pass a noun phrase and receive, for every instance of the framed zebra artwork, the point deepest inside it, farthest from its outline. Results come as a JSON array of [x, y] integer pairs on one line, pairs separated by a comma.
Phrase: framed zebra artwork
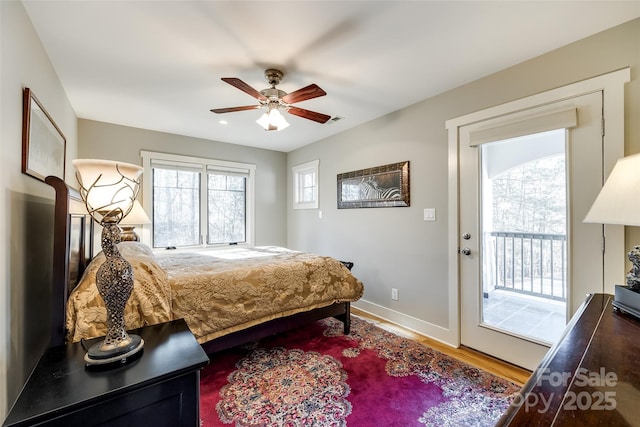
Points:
[[378, 187]]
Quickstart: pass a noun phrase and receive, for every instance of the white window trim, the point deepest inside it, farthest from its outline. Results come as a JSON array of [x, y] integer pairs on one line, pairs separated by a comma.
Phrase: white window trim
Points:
[[298, 172], [207, 164]]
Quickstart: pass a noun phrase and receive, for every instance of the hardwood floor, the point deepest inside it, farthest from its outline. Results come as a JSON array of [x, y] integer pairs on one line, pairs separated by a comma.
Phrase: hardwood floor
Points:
[[480, 360]]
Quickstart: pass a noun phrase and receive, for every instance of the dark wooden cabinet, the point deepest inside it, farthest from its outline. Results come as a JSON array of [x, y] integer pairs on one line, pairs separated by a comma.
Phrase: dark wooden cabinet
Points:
[[159, 388], [591, 377]]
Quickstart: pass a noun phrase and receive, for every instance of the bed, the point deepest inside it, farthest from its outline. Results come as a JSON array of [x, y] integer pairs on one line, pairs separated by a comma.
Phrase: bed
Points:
[[227, 297]]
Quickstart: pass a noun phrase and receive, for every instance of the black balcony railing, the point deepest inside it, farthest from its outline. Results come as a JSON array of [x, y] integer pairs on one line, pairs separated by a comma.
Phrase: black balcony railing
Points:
[[528, 263]]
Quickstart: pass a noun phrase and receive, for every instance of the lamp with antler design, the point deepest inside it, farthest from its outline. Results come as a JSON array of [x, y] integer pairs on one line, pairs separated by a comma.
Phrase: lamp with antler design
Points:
[[109, 189]]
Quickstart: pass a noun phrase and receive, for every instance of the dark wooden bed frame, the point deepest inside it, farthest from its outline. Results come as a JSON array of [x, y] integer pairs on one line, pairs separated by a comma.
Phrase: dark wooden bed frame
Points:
[[73, 249]]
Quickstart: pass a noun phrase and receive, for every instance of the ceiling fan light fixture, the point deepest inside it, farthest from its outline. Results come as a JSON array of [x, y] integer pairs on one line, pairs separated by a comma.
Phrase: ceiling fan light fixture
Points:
[[274, 99], [273, 120]]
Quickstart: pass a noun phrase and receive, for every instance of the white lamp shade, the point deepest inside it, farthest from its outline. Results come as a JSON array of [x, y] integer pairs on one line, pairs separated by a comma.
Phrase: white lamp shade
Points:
[[264, 121], [619, 200], [137, 216], [273, 120], [107, 185], [277, 119]]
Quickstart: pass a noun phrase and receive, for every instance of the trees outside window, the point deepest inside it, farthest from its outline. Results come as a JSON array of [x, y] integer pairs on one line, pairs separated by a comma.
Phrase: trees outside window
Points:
[[199, 202]]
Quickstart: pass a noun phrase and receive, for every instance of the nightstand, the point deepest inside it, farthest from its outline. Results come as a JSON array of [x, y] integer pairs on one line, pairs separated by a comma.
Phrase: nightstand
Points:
[[159, 388]]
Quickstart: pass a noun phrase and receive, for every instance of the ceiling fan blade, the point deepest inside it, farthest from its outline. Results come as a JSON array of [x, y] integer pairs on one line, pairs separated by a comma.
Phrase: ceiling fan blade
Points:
[[311, 115], [307, 92], [244, 87], [232, 109]]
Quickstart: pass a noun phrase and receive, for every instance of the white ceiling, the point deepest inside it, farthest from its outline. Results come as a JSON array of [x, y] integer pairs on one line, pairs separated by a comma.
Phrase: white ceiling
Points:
[[157, 64]]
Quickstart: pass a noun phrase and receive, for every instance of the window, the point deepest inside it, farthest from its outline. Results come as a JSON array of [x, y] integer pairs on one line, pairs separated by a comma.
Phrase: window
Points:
[[305, 185], [176, 207], [198, 202], [226, 208]]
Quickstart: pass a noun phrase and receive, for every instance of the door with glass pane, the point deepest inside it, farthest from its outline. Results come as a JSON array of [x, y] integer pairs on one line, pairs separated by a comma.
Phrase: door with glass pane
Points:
[[526, 183]]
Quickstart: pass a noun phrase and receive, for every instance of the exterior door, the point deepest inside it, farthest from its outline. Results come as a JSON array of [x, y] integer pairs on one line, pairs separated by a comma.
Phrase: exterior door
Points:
[[578, 121]]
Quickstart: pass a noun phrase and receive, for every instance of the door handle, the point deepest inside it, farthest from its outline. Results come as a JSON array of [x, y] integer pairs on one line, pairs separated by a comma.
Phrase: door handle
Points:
[[465, 251]]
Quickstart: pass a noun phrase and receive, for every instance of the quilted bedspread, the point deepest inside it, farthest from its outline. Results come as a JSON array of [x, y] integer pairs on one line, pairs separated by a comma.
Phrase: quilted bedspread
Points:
[[216, 291]]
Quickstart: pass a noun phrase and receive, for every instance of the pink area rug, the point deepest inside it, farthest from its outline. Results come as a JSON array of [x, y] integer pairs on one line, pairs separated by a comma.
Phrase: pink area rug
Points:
[[317, 376]]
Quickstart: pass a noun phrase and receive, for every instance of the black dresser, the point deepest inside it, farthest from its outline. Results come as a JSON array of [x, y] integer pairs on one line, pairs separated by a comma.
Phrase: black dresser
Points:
[[591, 377]]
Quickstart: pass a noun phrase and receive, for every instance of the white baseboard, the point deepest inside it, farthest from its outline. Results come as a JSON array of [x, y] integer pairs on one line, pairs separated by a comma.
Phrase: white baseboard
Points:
[[421, 327]]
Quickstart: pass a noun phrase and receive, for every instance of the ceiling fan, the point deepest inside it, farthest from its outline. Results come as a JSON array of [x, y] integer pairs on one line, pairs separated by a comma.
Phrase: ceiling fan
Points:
[[273, 100]]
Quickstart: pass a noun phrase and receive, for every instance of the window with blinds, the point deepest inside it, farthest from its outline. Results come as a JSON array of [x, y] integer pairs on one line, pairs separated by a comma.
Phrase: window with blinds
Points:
[[198, 202], [226, 206]]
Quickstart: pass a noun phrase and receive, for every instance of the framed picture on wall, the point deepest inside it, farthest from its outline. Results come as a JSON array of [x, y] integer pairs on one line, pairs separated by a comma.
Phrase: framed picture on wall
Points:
[[43, 144], [376, 187]]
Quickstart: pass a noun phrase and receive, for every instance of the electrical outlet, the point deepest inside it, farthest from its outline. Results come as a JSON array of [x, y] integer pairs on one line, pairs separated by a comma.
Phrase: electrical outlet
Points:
[[394, 294]]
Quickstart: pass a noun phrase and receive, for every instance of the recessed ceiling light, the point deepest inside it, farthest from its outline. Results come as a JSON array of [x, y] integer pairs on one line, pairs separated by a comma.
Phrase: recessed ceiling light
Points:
[[223, 122]]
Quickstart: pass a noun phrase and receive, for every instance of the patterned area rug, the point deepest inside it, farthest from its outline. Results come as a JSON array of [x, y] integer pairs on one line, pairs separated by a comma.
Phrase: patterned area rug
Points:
[[317, 376]]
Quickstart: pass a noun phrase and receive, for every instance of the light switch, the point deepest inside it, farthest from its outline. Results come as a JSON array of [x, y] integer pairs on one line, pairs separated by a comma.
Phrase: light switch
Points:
[[430, 214]]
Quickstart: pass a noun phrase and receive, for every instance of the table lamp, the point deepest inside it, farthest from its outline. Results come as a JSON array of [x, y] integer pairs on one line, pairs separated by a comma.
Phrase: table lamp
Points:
[[137, 216], [619, 203], [109, 189]]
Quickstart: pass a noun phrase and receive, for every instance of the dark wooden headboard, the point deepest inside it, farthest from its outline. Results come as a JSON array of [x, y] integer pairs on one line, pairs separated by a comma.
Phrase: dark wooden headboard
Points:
[[72, 251]]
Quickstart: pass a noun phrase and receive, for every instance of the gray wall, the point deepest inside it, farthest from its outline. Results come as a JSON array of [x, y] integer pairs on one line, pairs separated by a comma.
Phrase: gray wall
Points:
[[26, 204], [108, 141], [394, 247]]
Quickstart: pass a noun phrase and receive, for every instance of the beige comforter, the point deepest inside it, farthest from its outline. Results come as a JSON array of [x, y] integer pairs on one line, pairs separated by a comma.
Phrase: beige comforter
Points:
[[217, 291]]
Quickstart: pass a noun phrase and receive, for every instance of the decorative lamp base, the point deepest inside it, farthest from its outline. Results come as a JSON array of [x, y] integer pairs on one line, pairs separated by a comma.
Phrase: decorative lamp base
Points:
[[128, 234], [627, 301], [121, 355]]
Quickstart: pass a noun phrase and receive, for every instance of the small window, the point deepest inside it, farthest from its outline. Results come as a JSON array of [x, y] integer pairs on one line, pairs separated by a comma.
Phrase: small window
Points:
[[305, 185]]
